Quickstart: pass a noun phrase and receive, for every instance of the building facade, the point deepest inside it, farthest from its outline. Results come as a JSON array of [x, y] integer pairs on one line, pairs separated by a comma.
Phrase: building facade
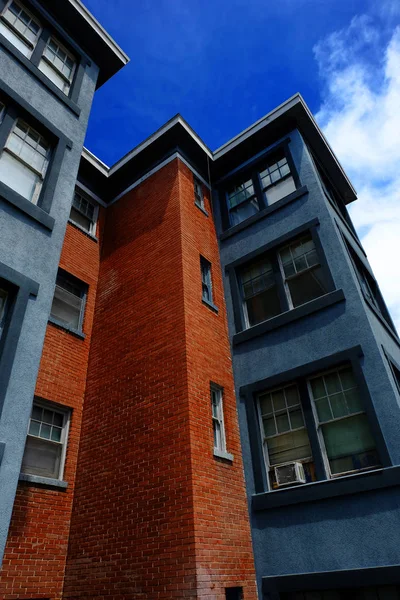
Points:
[[199, 377]]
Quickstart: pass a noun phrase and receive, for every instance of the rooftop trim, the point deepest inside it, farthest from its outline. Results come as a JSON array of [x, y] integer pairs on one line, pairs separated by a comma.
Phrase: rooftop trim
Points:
[[99, 29]]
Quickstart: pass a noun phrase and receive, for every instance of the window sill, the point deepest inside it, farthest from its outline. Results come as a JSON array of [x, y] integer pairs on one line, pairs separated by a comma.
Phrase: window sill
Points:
[[30, 209], [288, 317], [60, 325], [331, 488], [210, 305], [223, 454], [39, 75], [87, 233], [264, 213], [203, 210], [43, 481]]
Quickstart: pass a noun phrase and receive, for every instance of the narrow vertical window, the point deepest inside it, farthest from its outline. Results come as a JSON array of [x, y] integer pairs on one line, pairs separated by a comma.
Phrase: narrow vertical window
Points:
[[205, 268], [69, 301], [58, 65], [343, 426], [198, 193], [4, 295], [277, 181], [218, 419], [46, 441], [84, 213]]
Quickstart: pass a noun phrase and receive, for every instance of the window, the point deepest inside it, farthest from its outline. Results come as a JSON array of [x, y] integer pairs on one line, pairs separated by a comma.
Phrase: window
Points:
[[260, 189], [46, 441], [343, 427], [20, 27], [218, 418], [84, 213], [24, 161], [69, 301], [369, 286], [198, 193], [282, 280], [234, 593], [336, 416], [4, 303], [206, 282], [58, 65]]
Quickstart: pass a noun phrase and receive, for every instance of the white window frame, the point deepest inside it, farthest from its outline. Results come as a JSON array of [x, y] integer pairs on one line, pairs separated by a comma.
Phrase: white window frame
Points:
[[219, 419], [40, 174], [206, 281], [318, 425], [66, 412], [83, 297], [285, 279], [198, 192], [31, 45], [68, 80], [264, 189], [93, 226], [244, 300], [264, 439]]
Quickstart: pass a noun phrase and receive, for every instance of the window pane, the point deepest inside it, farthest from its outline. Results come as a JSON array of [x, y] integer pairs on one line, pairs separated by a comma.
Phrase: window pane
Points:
[[16, 41], [80, 219], [282, 422], [324, 410], [263, 306], [41, 458], [280, 190], [54, 76], [66, 307], [269, 427], [34, 428], [45, 431], [292, 395], [278, 400], [244, 211], [349, 444], [217, 435], [56, 434], [288, 447], [19, 177], [266, 404], [307, 286], [240, 193], [338, 405], [296, 419]]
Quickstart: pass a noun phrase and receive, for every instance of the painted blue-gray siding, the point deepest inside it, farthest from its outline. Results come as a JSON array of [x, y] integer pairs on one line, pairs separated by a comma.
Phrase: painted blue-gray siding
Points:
[[34, 251], [352, 531]]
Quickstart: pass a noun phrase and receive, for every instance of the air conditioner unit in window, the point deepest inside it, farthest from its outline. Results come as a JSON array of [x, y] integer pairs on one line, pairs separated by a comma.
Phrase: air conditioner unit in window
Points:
[[289, 474]]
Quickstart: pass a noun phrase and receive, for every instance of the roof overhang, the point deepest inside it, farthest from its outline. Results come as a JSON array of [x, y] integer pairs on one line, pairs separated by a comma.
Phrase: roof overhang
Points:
[[87, 32], [177, 135]]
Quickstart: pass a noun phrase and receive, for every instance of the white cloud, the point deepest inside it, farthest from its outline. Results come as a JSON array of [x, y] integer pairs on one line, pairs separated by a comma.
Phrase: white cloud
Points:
[[360, 115]]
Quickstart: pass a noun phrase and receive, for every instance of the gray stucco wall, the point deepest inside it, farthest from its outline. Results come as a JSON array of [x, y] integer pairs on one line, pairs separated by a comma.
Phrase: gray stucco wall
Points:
[[356, 530], [34, 251]]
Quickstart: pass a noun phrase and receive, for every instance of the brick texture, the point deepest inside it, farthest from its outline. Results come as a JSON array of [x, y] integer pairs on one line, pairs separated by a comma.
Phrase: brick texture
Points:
[[36, 551]]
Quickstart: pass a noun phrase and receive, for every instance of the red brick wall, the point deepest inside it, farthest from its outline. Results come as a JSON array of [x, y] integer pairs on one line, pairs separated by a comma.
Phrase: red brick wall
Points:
[[224, 555], [34, 560], [155, 515]]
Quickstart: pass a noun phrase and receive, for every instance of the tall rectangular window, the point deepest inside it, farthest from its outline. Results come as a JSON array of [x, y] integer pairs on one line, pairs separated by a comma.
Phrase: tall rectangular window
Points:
[[198, 193], [281, 280], [218, 418], [58, 65], [46, 441], [242, 202], [277, 181], [84, 213], [206, 281], [20, 27], [69, 300], [24, 161], [303, 275], [342, 423]]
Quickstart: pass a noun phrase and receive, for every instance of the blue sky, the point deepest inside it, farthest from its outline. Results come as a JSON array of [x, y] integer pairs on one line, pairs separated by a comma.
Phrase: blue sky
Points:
[[223, 65]]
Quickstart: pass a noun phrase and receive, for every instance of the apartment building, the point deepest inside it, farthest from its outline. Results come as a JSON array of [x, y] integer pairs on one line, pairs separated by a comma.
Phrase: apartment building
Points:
[[200, 378]]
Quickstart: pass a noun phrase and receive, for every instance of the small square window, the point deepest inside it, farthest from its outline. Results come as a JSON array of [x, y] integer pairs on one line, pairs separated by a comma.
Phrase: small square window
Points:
[[24, 161], [46, 441], [205, 268], [58, 65], [234, 593], [218, 418], [198, 193], [84, 213], [20, 27], [69, 300]]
